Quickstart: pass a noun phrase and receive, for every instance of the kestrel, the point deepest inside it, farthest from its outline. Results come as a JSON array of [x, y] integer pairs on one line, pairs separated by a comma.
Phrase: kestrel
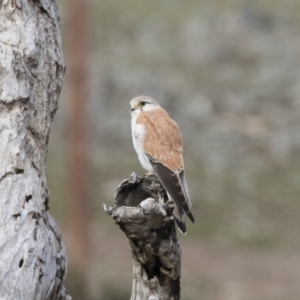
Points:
[[158, 143]]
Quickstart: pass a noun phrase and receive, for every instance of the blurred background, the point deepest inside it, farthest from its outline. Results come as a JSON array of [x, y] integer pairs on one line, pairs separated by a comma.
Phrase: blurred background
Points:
[[229, 73]]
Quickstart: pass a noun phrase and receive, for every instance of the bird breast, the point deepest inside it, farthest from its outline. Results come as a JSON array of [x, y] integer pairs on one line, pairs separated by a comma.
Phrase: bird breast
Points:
[[138, 137]]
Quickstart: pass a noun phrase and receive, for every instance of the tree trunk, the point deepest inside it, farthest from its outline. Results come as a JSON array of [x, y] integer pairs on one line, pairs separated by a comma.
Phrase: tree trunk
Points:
[[32, 255], [143, 214]]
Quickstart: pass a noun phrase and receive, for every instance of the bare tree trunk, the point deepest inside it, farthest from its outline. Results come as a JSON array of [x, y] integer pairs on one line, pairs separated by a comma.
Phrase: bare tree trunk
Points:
[[32, 255], [143, 214]]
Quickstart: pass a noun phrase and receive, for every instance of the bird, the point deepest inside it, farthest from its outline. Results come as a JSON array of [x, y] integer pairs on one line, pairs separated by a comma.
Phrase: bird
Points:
[[158, 142]]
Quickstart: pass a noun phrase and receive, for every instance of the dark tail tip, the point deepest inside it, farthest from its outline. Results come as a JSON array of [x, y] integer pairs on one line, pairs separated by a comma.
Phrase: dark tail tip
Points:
[[191, 216], [181, 226]]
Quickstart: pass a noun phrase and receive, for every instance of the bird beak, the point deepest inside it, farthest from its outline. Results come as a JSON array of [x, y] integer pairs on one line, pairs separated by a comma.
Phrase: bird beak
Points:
[[133, 108]]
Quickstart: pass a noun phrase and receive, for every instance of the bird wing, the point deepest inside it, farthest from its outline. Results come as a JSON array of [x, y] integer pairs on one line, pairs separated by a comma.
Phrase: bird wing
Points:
[[172, 183], [163, 146], [163, 141]]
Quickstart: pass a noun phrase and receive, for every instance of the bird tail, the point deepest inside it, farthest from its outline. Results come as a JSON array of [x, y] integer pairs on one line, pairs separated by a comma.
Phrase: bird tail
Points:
[[187, 196], [178, 214]]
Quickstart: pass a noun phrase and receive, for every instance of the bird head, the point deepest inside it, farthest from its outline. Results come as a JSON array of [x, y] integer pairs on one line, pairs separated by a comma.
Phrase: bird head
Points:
[[142, 103]]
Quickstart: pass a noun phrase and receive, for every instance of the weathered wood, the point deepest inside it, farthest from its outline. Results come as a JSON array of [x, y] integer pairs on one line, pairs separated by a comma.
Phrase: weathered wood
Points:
[[143, 213], [32, 255]]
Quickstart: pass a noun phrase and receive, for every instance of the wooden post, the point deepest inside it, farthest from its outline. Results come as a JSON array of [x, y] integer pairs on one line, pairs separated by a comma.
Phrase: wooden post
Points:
[[142, 213], [78, 165]]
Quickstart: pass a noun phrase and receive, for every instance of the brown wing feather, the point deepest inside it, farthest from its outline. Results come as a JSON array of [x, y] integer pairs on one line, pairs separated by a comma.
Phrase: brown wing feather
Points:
[[163, 141]]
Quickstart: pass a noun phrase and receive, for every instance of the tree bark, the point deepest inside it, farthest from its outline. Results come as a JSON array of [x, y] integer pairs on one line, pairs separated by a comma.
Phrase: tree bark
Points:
[[145, 216], [32, 255]]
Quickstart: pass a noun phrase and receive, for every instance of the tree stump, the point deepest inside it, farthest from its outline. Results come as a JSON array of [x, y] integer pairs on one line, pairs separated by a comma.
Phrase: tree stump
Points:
[[32, 255], [145, 216]]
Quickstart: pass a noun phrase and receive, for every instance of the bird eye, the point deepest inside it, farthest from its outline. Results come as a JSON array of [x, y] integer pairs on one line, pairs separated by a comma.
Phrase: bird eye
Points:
[[143, 103]]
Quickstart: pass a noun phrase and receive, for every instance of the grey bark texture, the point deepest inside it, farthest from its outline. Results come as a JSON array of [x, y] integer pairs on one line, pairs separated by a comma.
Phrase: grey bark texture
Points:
[[145, 216], [32, 255]]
